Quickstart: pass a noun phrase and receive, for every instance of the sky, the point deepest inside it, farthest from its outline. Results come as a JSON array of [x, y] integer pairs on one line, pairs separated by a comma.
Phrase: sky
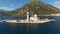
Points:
[[14, 4]]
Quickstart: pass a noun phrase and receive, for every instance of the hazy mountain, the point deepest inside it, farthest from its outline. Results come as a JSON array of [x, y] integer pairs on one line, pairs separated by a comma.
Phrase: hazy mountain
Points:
[[4, 13], [39, 8]]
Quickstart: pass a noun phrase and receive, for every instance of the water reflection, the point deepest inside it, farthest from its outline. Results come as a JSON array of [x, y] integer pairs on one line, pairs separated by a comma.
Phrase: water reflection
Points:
[[46, 28]]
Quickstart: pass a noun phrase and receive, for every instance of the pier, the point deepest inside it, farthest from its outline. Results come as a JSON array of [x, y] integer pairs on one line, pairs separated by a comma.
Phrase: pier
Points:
[[25, 21]]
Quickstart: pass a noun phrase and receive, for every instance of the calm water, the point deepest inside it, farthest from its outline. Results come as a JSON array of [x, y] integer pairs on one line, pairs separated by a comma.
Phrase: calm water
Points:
[[46, 28]]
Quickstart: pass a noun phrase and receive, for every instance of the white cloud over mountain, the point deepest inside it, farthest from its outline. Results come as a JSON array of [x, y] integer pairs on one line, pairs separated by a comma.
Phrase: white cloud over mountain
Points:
[[6, 8], [58, 7], [58, 2]]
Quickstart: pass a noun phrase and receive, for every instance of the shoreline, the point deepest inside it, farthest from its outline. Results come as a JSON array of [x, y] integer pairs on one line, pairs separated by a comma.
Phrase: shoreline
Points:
[[50, 15]]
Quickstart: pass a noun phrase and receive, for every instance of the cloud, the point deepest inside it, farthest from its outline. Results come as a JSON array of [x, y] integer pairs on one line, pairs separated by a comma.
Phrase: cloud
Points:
[[6, 8], [58, 2], [11, 5], [57, 6]]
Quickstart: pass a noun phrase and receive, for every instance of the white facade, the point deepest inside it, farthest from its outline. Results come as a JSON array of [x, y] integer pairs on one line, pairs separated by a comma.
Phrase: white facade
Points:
[[34, 18]]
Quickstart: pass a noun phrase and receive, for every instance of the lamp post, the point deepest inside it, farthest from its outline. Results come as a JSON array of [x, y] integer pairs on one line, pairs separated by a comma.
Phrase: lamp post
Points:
[[18, 17], [19, 13]]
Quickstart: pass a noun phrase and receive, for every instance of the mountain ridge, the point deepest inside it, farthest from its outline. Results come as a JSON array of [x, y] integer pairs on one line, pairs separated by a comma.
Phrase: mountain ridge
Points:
[[4, 13], [40, 8]]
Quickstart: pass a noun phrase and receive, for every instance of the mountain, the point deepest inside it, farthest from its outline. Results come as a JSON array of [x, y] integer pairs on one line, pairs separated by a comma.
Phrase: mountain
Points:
[[39, 8], [4, 13]]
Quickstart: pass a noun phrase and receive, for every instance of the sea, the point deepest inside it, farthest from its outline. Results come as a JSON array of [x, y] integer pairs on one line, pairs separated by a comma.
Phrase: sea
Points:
[[45, 28]]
